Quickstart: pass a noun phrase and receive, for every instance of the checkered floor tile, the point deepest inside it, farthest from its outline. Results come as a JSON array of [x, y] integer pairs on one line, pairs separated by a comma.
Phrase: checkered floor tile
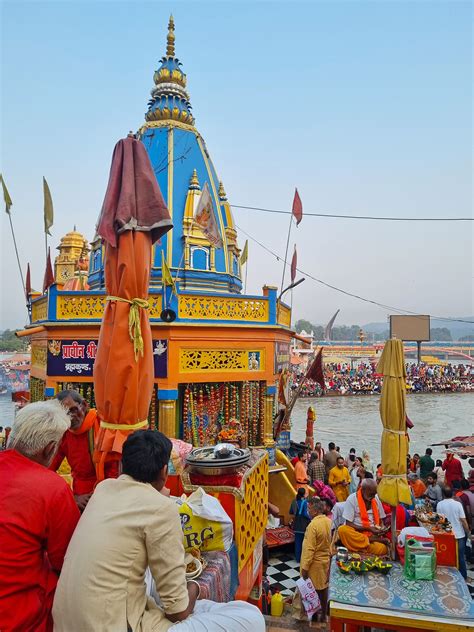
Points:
[[282, 572]]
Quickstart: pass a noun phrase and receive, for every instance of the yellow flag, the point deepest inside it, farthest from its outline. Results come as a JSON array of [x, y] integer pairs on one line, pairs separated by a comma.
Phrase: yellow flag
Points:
[[165, 272], [6, 196], [245, 253], [48, 207]]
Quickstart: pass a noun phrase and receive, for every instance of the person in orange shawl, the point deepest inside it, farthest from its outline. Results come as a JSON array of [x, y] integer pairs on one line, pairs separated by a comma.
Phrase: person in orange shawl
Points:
[[363, 513], [301, 475], [77, 447]]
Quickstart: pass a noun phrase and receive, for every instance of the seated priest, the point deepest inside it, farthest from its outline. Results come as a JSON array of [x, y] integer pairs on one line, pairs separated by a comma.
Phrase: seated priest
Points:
[[128, 527], [363, 531]]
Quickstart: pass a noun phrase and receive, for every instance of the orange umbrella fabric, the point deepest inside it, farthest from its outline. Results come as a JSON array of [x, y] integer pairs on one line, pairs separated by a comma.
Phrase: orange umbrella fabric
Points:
[[133, 216]]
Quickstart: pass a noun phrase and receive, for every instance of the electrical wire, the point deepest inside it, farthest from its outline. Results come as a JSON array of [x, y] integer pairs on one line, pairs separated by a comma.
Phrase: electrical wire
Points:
[[364, 217], [347, 293]]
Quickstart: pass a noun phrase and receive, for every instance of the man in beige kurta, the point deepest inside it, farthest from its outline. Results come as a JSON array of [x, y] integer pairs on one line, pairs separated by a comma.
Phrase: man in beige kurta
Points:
[[127, 527], [315, 555]]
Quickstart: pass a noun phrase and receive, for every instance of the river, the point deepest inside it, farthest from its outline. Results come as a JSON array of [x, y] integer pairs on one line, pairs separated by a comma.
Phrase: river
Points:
[[355, 421]]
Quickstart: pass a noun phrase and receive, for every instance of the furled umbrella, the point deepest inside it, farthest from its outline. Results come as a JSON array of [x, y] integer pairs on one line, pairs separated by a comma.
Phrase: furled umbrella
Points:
[[134, 215], [393, 488]]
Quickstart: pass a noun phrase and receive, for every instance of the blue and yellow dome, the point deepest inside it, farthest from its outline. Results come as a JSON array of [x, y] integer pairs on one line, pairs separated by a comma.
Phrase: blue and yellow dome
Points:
[[182, 165]]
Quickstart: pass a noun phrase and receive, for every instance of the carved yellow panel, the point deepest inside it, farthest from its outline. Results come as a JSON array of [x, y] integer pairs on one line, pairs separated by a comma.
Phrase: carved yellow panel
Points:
[[39, 310], [38, 357], [92, 306], [225, 308], [283, 315], [82, 307], [222, 360], [156, 308], [251, 514]]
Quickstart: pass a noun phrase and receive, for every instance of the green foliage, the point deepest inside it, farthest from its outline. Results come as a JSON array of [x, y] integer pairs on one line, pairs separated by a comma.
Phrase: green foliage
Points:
[[440, 333], [9, 342]]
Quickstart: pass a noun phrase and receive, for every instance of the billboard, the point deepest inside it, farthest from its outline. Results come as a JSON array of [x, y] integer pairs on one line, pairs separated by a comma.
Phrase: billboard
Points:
[[410, 328]]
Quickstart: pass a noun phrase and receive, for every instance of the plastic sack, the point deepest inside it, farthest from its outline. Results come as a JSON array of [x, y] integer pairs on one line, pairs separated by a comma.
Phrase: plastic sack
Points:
[[309, 597], [420, 560], [205, 524]]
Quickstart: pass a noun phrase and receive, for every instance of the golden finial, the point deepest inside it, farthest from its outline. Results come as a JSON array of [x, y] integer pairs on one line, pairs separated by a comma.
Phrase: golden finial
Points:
[[222, 193], [170, 39], [194, 182]]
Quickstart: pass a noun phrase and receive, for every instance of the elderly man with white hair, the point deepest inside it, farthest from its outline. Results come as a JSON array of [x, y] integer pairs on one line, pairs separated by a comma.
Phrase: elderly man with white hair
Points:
[[37, 518]]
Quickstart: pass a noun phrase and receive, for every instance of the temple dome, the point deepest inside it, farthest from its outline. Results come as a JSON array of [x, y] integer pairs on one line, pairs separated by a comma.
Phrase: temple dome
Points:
[[183, 166]]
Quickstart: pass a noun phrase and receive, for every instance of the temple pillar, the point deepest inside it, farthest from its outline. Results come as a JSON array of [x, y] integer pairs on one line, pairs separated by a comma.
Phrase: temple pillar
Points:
[[167, 406]]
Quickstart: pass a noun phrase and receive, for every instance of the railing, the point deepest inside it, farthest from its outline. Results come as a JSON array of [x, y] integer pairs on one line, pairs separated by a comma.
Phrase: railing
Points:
[[194, 307]]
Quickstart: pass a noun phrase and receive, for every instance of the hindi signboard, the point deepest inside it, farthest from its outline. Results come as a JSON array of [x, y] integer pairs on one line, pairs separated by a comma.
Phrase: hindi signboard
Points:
[[75, 358]]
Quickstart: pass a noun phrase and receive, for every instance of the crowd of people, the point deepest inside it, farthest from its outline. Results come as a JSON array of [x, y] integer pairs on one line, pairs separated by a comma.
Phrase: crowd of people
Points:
[[341, 379], [76, 559], [345, 489]]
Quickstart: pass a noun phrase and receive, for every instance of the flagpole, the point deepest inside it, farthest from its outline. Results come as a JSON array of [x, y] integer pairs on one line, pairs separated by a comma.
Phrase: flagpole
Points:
[[246, 270], [286, 253], [17, 255]]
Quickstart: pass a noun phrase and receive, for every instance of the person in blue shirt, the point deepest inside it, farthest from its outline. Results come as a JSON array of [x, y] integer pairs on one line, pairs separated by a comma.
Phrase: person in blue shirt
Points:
[[299, 509]]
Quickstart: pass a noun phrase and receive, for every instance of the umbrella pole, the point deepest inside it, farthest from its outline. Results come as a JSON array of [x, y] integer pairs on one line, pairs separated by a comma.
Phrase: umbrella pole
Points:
[[393, 531]]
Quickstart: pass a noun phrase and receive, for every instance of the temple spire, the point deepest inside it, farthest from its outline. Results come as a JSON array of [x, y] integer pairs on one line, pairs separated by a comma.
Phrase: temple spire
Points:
[[170, 38]]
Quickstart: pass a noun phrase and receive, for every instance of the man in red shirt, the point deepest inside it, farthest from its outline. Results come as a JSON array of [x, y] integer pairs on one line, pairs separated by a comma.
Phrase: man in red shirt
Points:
[[37, 518], [453, 469]]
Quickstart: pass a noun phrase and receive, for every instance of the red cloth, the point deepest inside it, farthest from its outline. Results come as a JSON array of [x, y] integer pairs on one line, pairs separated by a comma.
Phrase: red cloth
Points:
[[453, 469], [133, 199], [315, 372], [297, 208], [48, 279], [75, 447], [37, 518]]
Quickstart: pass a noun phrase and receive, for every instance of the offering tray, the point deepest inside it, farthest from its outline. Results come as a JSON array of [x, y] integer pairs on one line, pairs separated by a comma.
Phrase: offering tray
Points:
[[206, 461]]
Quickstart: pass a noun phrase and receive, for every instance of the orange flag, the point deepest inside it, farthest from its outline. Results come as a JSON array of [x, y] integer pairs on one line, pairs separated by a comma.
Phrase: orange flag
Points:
[[294, 263]]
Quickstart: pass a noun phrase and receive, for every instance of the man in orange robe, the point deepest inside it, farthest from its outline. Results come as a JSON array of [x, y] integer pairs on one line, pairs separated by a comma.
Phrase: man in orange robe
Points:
[[301, 474], [77, 447], [363, 531]]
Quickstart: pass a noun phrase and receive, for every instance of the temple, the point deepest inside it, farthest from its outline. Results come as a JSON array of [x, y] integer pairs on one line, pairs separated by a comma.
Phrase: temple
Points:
[[217, 363]]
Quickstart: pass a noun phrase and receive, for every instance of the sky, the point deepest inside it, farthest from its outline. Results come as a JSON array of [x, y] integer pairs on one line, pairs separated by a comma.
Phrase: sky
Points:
[[366, 107]]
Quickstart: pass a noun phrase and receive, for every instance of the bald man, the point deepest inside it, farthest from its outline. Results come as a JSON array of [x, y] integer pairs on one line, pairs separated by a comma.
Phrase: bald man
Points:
[[363, 531]]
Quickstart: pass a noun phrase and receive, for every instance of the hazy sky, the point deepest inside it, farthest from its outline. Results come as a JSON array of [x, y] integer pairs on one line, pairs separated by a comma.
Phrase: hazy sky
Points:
[[365, 106]]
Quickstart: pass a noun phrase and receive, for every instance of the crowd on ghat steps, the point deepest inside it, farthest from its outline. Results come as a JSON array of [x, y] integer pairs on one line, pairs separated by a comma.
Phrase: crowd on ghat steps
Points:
[[341, 379]]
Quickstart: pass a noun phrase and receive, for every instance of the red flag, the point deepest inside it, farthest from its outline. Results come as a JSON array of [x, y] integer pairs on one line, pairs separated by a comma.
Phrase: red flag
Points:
[[409, 422], [294, 263], [28, 282], [48, 273], [315, 372], [297, 209]]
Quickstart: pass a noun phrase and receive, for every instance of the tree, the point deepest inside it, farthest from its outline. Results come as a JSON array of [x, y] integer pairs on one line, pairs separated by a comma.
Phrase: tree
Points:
[[468, 338], [303, 325], [9, 342], [441, 333]]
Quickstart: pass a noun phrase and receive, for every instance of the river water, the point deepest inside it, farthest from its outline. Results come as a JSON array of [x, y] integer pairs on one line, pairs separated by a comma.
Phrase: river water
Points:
[[355, 421]]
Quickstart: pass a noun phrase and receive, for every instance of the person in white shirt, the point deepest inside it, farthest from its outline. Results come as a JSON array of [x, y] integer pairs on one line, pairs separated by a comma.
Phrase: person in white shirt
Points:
[[454, 512]]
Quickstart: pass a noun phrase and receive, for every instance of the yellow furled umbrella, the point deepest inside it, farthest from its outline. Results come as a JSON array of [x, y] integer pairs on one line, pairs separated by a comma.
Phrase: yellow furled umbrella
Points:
[[393, 488]]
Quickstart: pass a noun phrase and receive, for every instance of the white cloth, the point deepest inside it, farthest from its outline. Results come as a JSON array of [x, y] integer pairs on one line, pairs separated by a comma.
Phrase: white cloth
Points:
[[454, 511], [337, 516], [351, 511], [409, 531], [209, 616]]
